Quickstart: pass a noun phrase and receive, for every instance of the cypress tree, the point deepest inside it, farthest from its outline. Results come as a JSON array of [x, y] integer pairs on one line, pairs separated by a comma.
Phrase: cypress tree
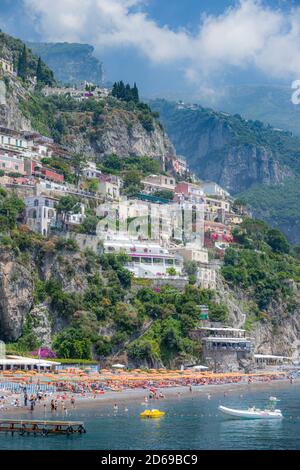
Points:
[[39, 71], [135, 93], [23, 64]]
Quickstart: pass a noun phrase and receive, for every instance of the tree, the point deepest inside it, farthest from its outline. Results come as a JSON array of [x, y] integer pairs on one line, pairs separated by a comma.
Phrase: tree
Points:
[[78, 162], [92, 185], [89, 224], [39, 71], [164, 194], [135, 93], [67, 204], [277, 241], [10, 209], [72, 343], [23, 64]]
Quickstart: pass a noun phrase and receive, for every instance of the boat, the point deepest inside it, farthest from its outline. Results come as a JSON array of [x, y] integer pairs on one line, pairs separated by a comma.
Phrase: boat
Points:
[[251, 413], [152, 414], [255, 413]]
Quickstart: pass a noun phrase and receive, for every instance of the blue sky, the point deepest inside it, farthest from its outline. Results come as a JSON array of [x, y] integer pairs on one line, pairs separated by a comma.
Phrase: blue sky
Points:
[[172, 46]]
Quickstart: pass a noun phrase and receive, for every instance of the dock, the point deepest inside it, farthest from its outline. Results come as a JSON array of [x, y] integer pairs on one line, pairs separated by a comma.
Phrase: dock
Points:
[[41, 427]]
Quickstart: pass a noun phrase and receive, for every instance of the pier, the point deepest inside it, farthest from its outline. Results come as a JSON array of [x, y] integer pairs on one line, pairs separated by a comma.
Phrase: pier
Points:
[[41, 427]]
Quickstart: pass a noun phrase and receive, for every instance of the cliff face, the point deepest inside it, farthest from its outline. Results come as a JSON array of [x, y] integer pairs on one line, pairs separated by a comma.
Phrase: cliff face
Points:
[[277, 334], [242, 166], [16, 296], [10, 114], [248, 158], [121, 133], [71, 62]]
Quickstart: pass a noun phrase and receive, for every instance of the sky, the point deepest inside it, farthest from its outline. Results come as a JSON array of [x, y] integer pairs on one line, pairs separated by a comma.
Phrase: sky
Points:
[[172, 46]]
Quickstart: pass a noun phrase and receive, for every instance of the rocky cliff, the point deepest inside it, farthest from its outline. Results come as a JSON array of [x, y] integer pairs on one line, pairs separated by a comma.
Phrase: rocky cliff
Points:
[[16, 295], [72, 63], [11, 116], [248, 158], [121, 133], [278, 333]]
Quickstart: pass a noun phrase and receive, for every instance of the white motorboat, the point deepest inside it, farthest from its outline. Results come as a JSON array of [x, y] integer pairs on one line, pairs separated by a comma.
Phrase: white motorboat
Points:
[[251, 413]]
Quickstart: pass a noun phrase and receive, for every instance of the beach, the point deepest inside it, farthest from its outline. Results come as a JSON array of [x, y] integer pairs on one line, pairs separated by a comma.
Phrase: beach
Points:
[[78, 393]]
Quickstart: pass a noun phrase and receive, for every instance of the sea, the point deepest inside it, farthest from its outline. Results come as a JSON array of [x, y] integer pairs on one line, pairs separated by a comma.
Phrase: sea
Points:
[[192, 422]]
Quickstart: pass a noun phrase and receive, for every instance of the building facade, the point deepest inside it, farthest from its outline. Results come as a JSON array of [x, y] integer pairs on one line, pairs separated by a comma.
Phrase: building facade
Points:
[[40, 213]]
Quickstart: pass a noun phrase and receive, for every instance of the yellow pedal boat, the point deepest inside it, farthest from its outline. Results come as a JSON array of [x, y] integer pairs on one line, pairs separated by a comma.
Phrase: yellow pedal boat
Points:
[[152, 414]]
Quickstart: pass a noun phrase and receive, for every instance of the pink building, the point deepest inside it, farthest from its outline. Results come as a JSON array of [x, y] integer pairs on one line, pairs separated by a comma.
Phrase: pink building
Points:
[[11, 163]]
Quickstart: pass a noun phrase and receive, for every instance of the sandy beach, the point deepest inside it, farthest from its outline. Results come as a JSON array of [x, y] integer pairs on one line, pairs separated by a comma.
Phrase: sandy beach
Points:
[[120, 398]]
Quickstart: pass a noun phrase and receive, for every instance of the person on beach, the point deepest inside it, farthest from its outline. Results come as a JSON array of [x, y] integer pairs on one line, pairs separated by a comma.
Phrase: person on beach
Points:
[[190, 388], [116, 407], [72, 402], [25, 399], [52, 405], [32, 403]]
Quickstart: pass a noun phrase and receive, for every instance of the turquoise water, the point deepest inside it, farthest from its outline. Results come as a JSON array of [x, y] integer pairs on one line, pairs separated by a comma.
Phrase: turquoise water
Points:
[[191, 422]]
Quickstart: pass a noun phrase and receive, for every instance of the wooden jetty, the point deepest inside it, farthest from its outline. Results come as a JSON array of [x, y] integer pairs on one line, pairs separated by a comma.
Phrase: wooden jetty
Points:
[[41, 427]]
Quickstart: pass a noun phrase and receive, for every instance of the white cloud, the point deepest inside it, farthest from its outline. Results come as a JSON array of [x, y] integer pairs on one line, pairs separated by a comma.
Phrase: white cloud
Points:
[[247, 35]]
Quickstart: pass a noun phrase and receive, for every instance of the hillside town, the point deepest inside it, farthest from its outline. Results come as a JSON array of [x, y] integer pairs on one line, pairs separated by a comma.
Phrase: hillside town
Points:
[[173, 226], [159, 253]]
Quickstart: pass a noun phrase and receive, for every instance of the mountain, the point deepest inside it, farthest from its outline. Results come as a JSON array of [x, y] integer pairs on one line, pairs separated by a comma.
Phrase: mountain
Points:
[[267, 103], [71, 63], [248, 158], [11, 50], [95, 127]]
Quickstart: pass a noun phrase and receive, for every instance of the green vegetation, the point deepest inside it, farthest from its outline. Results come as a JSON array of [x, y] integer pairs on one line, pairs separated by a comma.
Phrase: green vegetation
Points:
[[262, 264], [25, 62], [125, 92], [120, 166]]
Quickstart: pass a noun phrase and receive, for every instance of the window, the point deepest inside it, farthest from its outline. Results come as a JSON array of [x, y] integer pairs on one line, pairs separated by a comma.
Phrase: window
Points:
[[158, 261], [46, 203], [146, 260], [36, 202], [169, 261]]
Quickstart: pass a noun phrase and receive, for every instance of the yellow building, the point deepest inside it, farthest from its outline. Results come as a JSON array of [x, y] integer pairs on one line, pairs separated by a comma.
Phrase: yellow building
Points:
[[6, 66]]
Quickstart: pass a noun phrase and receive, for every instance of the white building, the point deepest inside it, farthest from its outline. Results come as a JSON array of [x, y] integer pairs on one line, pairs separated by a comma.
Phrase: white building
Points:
[[158, 182], [207, 276], [192, 252], [213, 189], [74, 218], [91, 171], [109, 187], [12, 140], [40, 213], [26, 363], [148, 259]]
